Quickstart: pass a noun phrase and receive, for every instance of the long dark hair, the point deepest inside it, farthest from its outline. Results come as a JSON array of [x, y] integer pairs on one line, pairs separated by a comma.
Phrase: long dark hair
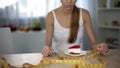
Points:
[[74, 26]]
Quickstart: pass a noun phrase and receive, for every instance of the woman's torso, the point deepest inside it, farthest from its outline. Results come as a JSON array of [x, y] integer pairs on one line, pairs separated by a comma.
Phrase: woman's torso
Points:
[[61, 34]]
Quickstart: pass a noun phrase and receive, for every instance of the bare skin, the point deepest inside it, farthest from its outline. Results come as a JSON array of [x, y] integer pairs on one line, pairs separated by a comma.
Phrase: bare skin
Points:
[[63, 15]]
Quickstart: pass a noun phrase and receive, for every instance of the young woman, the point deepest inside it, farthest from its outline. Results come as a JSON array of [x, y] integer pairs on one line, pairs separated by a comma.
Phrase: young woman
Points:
[[66, 24]]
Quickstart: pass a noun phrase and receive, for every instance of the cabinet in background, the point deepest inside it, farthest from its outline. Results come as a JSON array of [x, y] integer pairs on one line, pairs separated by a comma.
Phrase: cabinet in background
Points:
[[28, 42], [109, 22]]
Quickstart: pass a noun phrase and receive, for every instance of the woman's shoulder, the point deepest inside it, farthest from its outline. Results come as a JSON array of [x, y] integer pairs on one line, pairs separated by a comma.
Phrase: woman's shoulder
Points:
[[85, 14], [54, 10], [51, 12], [84, 10], [49, 17]]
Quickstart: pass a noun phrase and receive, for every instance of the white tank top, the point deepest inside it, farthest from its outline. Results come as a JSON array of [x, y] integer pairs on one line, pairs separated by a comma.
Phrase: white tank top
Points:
[[61, 34]]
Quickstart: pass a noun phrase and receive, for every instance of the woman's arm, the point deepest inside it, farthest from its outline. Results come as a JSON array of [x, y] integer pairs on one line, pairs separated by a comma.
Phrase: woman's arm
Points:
[[47, 50], [49, 29], [88, 27], [102, 47]]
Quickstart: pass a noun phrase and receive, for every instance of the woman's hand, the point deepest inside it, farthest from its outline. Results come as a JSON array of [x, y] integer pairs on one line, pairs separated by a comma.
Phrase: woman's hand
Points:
[[103, 48], [47, 51]]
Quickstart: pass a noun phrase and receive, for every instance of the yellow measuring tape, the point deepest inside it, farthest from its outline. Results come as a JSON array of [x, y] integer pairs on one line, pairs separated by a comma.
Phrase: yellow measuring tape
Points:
[[91, 60], [78, 63]]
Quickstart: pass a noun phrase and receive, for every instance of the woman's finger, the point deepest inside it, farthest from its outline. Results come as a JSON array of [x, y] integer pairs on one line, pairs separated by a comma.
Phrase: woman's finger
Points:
[[49, 50], [107, 51], [52, 50], [105, 48], [99, 48], [44, 52]]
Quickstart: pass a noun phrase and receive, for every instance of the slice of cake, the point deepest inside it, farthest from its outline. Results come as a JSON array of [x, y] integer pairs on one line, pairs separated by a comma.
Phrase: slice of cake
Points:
[[74, 49]]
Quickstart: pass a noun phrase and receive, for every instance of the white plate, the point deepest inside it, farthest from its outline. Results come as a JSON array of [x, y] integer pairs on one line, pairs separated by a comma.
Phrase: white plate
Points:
[[82, 53]]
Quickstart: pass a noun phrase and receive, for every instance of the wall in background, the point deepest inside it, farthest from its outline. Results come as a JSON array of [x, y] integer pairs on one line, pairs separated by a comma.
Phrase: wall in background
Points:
[[90, 5], [93, 12]]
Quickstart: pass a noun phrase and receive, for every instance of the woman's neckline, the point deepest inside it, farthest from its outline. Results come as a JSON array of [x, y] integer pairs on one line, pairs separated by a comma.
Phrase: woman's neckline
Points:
[[61, 25]]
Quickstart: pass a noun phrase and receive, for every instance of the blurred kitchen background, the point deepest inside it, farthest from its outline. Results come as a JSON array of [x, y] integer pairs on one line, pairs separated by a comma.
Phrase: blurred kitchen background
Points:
[[26, 18]]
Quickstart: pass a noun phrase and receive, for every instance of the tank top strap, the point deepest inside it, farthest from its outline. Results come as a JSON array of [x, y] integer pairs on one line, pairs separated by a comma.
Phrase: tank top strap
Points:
[[55, 20], [54, 15], [81, 17]]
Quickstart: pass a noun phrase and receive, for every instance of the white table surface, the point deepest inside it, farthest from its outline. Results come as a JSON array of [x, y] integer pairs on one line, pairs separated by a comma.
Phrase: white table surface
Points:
[[19, 59], [112, 59]]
